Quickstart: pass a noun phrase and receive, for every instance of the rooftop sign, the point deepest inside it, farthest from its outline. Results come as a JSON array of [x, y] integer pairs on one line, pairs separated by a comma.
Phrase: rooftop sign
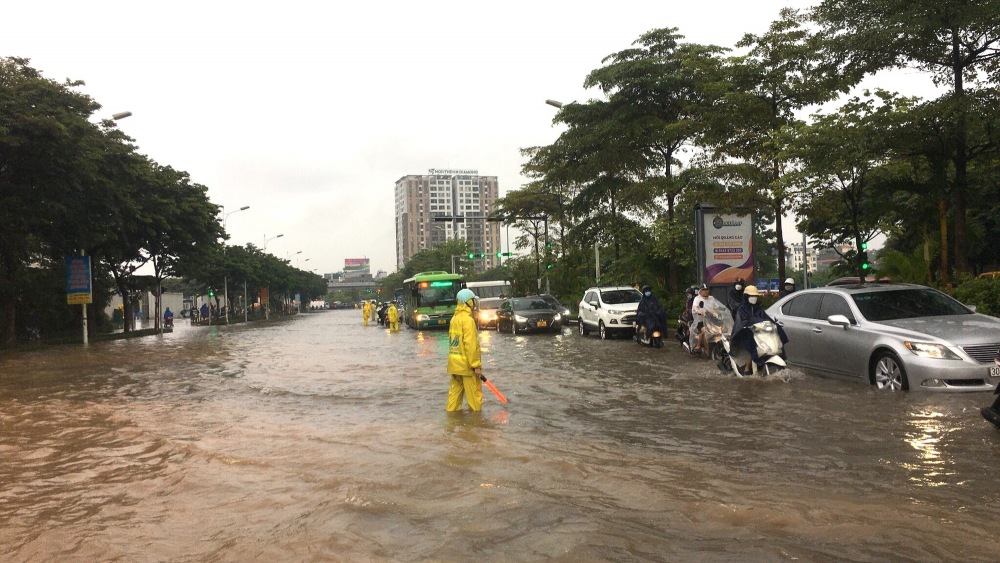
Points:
[[439, 171]]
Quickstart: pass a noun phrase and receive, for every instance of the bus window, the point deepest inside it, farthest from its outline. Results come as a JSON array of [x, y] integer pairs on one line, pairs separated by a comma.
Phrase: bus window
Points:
[[437, 296]]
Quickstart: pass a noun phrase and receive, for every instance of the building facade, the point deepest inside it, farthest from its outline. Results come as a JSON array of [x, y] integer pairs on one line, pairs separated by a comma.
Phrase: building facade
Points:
[[461, 200], [796, 260]]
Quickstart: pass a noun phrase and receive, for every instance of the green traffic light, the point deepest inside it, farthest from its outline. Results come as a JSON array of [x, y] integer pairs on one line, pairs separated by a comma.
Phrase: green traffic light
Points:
[[865, 266], [864, 246], [471, 256], [499, 254], [548, 266]]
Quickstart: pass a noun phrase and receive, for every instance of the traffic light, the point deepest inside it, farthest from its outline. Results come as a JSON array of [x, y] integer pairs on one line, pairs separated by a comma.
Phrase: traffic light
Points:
[[548, 266], [504, 254], [211, 293], [368, 291], [474, 255], [864, 246]]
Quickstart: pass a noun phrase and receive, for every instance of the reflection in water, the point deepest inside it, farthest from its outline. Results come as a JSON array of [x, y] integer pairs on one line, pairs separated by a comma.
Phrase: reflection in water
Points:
[[319, 439]]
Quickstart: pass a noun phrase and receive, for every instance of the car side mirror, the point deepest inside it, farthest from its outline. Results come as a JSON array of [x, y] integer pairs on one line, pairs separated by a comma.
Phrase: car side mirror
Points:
[[839, 320], [595, 304], [972, 308]]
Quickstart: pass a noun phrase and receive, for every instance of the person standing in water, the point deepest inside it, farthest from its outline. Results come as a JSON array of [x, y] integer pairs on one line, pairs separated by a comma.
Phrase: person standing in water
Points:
[[465, 364]]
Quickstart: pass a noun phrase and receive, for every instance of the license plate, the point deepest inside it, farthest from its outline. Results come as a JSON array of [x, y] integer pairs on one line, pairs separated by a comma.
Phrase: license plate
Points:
[[995, 372], [442, 321], [542, 324]]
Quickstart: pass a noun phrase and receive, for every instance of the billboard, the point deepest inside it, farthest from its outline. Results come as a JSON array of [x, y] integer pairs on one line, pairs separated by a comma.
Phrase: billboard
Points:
[[78, 289], [359, 265], [725, 246]]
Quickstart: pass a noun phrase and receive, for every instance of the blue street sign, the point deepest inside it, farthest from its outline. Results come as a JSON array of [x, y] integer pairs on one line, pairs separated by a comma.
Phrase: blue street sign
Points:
[[775, 284], [78, 286], [762, 285]]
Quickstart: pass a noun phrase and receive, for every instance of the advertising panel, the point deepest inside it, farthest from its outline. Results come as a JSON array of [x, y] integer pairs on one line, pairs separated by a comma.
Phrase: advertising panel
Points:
[[357, 265], [78, 289], [728, 247], [263, 296]]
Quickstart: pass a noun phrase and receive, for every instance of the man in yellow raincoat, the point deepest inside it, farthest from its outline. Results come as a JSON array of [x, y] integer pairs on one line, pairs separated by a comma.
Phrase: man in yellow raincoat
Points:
[[366, 312], [393, 315], [465, 363]]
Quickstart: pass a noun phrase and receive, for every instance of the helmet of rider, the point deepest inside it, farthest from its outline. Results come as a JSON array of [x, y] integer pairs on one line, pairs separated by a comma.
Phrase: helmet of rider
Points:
[[465, 296], [647, 291], [751, 291], [691, 290], [740, 284], [790, 281]]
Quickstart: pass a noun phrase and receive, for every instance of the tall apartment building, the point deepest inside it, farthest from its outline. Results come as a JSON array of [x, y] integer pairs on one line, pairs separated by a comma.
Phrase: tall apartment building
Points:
[[461, 195]]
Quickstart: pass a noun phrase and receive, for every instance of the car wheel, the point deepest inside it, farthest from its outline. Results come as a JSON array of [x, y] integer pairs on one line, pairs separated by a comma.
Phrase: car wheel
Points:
[[603, 331], [888, 373], [583, 329]]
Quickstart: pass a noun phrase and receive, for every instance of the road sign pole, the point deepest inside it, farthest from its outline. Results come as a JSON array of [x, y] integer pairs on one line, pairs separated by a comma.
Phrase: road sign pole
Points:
[[85, 336]]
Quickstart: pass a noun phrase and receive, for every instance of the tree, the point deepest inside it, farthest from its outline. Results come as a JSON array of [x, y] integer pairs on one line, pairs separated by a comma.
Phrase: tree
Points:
[[782, 73], [956, 41], [842, 166], [658, 91], [46, 161]]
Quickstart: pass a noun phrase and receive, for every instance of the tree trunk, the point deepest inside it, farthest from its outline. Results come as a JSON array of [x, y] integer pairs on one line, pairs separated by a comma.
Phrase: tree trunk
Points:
[[780, 236], [961, 164], [8, 301], [127, 316], [672, 249], [943, 210]]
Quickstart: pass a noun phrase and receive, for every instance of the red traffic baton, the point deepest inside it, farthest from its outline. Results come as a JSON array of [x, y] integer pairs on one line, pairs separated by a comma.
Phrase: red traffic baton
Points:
[[494, 389]]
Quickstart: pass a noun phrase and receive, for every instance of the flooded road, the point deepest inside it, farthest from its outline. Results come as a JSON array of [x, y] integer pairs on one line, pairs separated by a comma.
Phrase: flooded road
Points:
[[315, 439]]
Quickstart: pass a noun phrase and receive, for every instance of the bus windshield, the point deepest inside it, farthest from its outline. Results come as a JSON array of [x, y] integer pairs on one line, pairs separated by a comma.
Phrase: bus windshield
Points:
[[438, 294]]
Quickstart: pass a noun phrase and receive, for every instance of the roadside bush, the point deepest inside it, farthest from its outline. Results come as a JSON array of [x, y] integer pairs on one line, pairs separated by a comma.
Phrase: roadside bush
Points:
[[983, 293]]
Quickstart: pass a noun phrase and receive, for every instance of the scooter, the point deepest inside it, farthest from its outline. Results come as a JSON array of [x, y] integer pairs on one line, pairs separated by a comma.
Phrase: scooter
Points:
[[168, 322], [714, 322], [683, 333], [653, 336], [769, 349]]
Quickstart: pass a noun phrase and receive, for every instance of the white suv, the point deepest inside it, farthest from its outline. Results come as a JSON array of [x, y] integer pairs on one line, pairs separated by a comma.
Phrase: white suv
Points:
[[609, 310]]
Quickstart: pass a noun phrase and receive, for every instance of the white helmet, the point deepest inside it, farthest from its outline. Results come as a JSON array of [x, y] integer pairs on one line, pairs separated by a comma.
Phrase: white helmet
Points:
[[789, 281]]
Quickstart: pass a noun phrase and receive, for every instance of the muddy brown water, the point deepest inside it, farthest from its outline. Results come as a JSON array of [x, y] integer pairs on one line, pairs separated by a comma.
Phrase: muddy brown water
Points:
[[316, 439]]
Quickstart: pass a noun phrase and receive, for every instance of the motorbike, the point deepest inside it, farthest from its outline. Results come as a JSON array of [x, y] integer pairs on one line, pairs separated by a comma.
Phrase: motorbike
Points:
[[168, 322], [714, 321], [767, 339], [651, 336], [683, 333]]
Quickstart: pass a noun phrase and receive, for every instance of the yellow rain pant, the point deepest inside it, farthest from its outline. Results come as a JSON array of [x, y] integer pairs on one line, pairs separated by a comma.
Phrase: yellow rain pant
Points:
[[471, 387], [394, 326], [366, 320]]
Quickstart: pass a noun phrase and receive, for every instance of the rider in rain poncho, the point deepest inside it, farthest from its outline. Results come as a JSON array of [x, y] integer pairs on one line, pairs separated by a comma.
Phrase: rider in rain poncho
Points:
[[749, 314], [650, 314]]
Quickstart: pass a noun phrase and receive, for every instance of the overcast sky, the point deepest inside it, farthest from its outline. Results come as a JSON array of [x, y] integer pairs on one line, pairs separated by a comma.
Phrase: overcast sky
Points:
[[309, 112]]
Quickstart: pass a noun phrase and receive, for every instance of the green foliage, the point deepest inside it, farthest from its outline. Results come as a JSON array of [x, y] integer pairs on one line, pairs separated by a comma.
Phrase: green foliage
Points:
[[983, 293]]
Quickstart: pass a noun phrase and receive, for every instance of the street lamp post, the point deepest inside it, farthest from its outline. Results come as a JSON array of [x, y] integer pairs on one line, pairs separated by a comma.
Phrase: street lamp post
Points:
[[267, 312], [225, 277]]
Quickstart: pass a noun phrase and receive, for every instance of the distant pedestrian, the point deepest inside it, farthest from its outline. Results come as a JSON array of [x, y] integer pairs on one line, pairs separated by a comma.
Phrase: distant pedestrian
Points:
[[787, 289], [205, 311]]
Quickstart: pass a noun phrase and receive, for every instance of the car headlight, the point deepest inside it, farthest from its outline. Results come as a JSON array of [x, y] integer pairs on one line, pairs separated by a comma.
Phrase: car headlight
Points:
[[558, 317], [422, 318], [520, 319], [485, 316], [614, 312], [927, 350], [566, 312]]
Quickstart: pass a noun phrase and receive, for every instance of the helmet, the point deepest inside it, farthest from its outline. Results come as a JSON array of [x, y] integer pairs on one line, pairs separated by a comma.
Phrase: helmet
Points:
[[789, 281], [646, 288], [465, 295], [691, 290], [751, 291], [702, 286]]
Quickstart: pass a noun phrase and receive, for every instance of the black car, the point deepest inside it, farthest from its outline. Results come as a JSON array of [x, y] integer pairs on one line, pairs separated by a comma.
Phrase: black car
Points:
[[558, 307], [529, 314], [486, 312]]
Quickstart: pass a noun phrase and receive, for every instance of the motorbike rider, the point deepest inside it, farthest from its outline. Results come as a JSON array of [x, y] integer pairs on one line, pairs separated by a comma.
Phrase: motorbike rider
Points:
[[787, 288], [735, 297], [750, 313], [168, 317], [702, 302], [649, 314]]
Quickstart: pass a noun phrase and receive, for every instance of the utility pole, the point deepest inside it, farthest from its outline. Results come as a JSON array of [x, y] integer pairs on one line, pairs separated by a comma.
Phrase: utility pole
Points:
[[805, 263]]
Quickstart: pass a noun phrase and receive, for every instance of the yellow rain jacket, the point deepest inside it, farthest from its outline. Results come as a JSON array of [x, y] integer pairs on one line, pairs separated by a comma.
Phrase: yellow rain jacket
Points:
[[393, 314], [463, 348]]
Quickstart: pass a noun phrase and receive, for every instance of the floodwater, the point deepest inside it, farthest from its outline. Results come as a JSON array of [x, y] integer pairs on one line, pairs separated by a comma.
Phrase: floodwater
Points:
[[315, 439]]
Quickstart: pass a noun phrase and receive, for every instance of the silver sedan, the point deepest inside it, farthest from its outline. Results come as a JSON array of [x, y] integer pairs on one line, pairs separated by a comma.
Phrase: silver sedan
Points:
[[894, 336]]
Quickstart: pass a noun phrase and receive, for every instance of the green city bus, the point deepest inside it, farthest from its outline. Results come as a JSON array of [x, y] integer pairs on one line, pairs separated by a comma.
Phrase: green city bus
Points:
[[430, 299]]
